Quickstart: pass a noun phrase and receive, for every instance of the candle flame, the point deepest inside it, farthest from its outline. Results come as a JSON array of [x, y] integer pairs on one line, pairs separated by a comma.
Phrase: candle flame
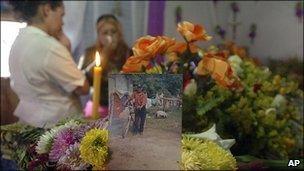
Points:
[[97, 58]]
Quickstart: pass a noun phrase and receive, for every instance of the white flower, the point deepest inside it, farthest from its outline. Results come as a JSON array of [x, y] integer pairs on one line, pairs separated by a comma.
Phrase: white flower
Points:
[[212, 135], [235, 63], [45, 142], [279, 101]]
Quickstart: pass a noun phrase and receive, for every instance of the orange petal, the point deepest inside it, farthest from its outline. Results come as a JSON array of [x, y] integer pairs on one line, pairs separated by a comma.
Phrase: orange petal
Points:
[[192, 32], [171, 57], [200, 69], [219, 69], [178, 47], [134, 64]]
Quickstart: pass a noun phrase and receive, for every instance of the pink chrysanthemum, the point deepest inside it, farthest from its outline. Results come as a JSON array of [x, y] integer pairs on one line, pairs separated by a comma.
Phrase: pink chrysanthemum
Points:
[[62, 141], [71, 160], [81, 130]]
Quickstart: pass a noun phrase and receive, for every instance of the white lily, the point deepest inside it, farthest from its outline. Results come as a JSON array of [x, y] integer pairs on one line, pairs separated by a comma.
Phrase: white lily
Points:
[[212, 135]]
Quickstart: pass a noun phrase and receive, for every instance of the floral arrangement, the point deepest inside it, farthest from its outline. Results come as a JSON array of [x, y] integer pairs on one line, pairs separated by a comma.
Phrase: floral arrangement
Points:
[[257, 111], [198, 154], [207, 151], [181, 57], [74, 145], [18, 143], [223, 85], [265, 118], [292, 68]]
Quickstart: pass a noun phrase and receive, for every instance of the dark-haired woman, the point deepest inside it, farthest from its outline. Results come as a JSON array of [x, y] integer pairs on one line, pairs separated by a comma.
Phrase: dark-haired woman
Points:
[[43, 73], [114, 52]]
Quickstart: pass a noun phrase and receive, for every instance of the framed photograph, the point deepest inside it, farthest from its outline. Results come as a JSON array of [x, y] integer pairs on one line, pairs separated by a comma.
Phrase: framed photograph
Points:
[[145, 121]]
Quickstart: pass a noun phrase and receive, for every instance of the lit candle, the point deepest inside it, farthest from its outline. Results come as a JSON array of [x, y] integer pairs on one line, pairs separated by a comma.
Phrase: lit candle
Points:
[[96, 86]]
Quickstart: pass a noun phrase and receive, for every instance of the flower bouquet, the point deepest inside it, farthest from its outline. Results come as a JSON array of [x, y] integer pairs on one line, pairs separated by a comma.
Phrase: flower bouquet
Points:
[[74, 145], [222, 85], [207, 151], [18, 142]]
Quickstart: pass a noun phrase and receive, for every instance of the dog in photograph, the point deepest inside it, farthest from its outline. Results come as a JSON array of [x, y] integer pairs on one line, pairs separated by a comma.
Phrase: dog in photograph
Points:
[[160, 114]]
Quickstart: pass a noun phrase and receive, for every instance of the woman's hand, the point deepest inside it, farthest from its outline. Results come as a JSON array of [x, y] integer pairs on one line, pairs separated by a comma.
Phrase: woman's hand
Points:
[[110, 45], [62, 38]]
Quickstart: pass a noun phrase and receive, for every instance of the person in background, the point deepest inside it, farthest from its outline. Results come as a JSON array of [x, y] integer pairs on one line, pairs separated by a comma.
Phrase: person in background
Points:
[[113, 51], [139, 98], [43, 73]]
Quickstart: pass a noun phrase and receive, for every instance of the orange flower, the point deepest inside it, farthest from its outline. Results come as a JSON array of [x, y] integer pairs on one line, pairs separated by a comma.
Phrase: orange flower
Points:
[[180, 47], [240, 51], [192, 32], [134, 64], [171, 57], [168, 43], [236, 50], [222, 55], [144, 50], [150, 46], [219, 69]]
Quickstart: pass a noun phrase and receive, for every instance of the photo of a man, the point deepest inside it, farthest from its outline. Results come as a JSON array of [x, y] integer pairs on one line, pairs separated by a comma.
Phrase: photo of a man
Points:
[[145, 115], [140, 101]]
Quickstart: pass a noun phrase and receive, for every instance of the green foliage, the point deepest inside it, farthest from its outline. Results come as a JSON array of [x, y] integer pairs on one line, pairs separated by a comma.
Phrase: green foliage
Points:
[[292, 68], [169, 84], [212, 99], [265, 117], [16, 140]]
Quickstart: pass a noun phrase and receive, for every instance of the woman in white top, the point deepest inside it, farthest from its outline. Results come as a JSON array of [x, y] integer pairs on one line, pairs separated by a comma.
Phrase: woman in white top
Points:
[[43, 73]]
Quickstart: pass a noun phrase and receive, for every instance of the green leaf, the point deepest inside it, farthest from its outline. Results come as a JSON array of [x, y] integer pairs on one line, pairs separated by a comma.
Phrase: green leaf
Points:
[[206, 105], [245, 158]]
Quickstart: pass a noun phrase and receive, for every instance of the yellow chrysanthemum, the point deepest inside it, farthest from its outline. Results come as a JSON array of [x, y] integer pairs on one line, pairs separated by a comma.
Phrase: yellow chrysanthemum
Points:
[[93, 147], [205, 155]]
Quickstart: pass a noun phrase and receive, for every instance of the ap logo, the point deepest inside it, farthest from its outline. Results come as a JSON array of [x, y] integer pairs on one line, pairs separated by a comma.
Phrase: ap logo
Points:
[[293, 163]]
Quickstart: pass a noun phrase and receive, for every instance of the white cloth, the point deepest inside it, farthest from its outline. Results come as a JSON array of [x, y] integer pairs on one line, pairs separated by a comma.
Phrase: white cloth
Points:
[[43, 75]]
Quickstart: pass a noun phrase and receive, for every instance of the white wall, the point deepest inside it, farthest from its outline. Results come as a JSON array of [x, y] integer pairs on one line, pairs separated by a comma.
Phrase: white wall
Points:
[[279, 32]]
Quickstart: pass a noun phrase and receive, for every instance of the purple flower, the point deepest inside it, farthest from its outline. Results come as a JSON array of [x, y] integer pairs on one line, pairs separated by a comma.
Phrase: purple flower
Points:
[[82, 129], [80, 132], [71, 159], [299, 10], [159, 59], [192, 65], [235, 7], [252, 35], [62, 141], [220, 31]]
